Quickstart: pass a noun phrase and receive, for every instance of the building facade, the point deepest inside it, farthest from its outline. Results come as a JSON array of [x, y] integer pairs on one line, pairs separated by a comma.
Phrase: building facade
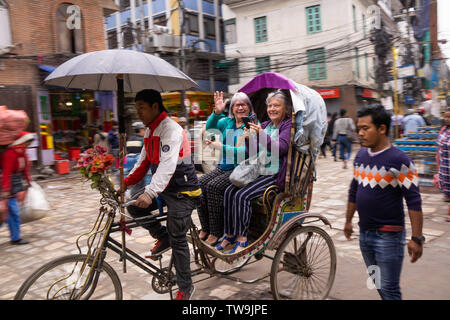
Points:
[[36, 36], [187, 33], [323, 44]]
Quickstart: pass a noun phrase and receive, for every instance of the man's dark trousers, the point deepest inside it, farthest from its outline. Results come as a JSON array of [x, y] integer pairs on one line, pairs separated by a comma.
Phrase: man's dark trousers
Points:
[[179, 210]]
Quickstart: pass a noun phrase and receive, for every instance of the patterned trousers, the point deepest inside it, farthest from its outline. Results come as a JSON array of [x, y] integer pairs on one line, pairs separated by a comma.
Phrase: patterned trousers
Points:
[[210, 211], [238, 209]]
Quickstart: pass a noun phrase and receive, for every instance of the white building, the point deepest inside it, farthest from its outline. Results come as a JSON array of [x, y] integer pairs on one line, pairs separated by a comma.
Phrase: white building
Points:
[[324, 44]]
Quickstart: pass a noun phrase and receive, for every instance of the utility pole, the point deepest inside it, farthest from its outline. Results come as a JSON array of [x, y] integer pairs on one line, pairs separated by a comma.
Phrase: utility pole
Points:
[[435, 108], [182, 55], [394, 73], [143, 37]]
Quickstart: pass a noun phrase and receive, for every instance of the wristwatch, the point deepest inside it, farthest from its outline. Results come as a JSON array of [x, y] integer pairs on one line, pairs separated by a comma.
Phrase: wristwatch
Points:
[[419, 240]]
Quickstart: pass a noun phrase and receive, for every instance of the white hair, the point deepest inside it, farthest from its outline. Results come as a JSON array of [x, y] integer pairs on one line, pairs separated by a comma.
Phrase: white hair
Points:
[[281, 96], [240, 96]]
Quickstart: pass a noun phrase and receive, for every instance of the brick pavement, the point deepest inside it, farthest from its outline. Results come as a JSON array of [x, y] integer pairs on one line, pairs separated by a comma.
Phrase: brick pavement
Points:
[[74, 207]]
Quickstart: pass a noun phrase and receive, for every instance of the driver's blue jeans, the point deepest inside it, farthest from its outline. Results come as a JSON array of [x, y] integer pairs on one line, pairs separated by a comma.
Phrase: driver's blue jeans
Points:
[[383, 254]]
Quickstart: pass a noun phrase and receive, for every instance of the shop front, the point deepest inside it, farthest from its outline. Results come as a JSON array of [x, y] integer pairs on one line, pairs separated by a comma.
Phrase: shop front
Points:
[[198, 104], [68, 120], [351, 97], [331, 98]]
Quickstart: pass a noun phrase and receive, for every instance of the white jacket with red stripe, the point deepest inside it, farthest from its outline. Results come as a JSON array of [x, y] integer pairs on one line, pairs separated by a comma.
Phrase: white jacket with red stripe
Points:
[[167, 153]]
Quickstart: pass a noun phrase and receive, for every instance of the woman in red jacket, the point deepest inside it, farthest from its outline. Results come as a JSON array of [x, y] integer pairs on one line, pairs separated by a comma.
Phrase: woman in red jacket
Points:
[[15, 167]]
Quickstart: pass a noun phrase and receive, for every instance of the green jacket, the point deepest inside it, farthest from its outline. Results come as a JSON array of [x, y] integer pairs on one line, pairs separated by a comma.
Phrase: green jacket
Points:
[[231, 155]]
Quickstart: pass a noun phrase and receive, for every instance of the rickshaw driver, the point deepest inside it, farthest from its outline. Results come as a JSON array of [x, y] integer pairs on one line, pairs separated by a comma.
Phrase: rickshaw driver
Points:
[[167, 153]]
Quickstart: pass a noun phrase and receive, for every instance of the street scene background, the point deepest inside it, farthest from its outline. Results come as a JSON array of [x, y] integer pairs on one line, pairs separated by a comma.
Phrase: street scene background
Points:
[[353, 53], [74, 208]]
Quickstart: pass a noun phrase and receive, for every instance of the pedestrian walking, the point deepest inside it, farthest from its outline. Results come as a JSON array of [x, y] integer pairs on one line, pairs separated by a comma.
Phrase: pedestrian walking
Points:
[[15, 169], [443, 160], [136, 141], [167, 153], [101, 138], [343, 134], [328, 137], [383, 176], [412, 122], [396, 125], [113, 140]]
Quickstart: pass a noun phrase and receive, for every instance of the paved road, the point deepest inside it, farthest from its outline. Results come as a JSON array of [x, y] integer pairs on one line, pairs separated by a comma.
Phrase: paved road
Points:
[[74, 210]]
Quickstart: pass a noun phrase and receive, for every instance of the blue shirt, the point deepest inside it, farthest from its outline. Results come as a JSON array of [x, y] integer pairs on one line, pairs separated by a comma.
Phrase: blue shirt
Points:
[[412, 123]]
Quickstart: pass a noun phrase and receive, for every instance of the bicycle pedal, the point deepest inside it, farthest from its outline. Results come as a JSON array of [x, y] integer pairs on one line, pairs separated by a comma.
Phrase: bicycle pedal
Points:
[[158, 255]]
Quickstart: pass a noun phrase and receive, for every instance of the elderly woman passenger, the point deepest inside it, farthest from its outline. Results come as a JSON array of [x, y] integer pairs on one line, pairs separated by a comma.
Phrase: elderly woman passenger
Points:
[[272, 135], [233, 148]]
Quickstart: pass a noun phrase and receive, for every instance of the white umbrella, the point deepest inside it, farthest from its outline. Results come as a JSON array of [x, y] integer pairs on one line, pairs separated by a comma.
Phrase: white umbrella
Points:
[[119, 70], [98, 70]]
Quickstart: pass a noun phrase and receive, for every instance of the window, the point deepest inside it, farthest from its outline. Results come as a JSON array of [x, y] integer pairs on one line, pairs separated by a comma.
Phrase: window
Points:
[[366, 61], [160, 20], [230, 31], [70, 36], [112, 39], [124, 5], [313, 22], [129, 35], [260, 29], [354, 18], [210, 27], [364, 25], [5, 28], [317, 68], [233, 72], [262, 64], [357, 63], [192, 24]]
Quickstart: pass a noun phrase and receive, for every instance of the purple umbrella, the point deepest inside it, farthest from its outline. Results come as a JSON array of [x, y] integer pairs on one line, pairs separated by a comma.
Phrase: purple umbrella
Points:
[[268, 80]]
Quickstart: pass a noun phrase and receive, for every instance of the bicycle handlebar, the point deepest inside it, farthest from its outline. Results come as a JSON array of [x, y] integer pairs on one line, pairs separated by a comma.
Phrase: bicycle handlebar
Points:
[[128, 203]]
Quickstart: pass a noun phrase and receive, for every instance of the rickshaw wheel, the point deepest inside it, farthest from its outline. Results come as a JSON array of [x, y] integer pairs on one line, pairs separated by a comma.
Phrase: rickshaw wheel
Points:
[[225, 268], [304, 265]]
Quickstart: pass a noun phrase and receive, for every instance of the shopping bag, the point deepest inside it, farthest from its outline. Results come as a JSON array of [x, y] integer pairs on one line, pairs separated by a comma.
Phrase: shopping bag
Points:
[[35, 206]]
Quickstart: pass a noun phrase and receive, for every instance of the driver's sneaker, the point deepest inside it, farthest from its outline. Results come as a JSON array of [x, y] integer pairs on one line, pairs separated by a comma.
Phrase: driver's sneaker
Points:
[[185, 295], [161, 246]]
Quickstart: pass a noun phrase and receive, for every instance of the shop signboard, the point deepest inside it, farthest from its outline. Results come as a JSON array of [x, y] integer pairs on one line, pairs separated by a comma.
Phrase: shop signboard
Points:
[[329, 93], [406, 71]]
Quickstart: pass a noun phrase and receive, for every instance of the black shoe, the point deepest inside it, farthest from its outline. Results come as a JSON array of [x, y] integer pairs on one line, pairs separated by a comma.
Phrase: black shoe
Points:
[[19, 242], [185, 295]]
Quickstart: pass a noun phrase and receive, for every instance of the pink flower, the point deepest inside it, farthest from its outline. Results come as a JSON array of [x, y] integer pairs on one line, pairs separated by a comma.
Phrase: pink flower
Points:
[[100, 149]]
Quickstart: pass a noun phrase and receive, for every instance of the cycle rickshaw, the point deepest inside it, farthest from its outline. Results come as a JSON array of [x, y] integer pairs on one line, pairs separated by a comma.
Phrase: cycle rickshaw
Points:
[[304, 263]]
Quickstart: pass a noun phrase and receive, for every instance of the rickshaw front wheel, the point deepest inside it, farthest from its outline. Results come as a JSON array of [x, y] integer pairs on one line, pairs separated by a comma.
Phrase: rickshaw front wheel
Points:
[[69, 278], [304, 265]]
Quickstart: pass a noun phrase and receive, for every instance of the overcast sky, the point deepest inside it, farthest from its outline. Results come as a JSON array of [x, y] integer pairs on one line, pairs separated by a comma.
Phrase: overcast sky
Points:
[[444, 26]]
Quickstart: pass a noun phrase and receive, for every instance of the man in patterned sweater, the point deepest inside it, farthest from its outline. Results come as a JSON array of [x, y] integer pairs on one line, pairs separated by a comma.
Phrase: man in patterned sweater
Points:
[[383, 176]]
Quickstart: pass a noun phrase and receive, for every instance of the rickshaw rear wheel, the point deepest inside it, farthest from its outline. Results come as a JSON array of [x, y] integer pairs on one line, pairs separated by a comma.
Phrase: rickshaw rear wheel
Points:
[[304, 265]]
